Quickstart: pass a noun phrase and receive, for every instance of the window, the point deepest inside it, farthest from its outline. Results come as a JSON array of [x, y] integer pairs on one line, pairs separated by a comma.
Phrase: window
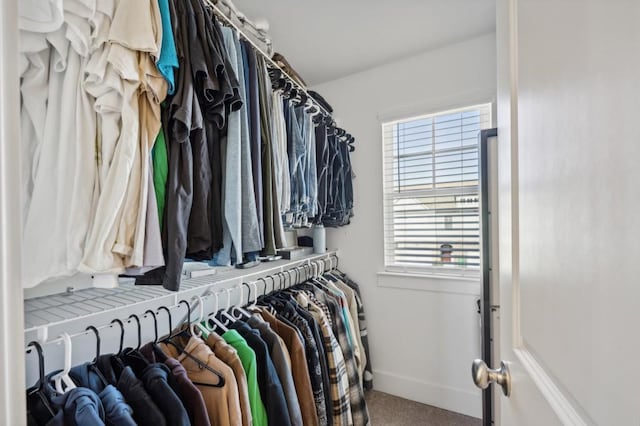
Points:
[[431, 198]]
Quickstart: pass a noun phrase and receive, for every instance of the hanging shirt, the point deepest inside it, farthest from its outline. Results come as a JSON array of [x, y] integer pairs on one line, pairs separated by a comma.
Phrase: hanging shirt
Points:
[[253, 109], [156, 382], [160, 172], [63, 164], [273, 230], [311, 177], [78, 407], [223, 404], [268, 381], [40, 16], [339, 379], [232, 214], [251, 240], [179, 195], [250, 365], [359, 409], [322, 160], [229, 356], [188, 393], [117, 411], [368, 370], [350, 295], [167, 61], [116, 238], [282, 363], [145, 411], [299, 368], [283, 185]]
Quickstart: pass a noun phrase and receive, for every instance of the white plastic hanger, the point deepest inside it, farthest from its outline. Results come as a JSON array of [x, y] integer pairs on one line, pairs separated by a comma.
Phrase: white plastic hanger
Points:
[[225, 314], [254, 284], [63, 377], [197, 329], [212, 317]]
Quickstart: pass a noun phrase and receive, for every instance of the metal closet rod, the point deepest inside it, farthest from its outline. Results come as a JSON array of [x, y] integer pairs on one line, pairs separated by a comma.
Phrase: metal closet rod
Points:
[[222, 15], [283, 276]]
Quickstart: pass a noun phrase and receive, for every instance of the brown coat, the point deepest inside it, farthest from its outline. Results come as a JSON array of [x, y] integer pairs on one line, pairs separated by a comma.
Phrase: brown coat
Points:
[[299, 367], [223, 403]]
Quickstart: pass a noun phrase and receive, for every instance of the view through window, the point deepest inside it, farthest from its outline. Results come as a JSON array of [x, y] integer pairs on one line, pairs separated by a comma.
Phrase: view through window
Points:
[[431, 190]]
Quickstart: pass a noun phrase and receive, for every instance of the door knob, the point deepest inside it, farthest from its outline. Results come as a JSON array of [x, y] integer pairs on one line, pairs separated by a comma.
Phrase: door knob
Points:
[[483, 376]]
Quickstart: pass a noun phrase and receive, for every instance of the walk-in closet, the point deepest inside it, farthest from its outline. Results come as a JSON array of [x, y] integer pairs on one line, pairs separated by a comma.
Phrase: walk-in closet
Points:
[[338, 213]]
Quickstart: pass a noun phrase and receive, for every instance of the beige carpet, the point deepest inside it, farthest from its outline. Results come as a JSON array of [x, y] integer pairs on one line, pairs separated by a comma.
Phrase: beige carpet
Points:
[[389, 410]]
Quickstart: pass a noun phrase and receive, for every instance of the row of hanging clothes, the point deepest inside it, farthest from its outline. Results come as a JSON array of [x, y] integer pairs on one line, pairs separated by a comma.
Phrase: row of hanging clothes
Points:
[[151, 133], [297, 355]]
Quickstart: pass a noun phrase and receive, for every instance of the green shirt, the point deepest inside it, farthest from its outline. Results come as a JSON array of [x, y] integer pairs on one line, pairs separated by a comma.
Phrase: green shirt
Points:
[[248, 360], [160, 173]]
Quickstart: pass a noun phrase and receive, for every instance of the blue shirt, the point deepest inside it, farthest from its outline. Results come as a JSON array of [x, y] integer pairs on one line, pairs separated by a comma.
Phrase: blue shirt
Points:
[[168, 59]]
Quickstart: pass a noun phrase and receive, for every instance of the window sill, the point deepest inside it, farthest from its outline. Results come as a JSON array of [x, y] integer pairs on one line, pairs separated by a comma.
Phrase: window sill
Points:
[[430, 282]]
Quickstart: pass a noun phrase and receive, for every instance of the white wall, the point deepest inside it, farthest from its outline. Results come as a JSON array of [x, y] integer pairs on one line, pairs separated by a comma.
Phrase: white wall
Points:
[[424, 332]]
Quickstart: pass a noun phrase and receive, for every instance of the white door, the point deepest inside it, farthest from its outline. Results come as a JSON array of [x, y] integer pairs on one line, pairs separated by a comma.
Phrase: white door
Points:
[[569, 210]]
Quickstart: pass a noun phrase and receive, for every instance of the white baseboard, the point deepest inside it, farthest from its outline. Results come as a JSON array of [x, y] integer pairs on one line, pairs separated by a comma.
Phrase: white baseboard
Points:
[[446, 397]]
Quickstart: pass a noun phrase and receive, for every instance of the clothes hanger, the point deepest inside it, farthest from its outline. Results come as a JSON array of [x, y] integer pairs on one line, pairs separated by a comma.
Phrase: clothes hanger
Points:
[[170, 317], [240, 309], [255, 292], [63, 378], [264, 288], [260, 299], [308, 106], [155, 324], [248, 293], [227, 312], [289, 274], [117, 321], [331, 268], [132, 356], [282, 280], [134, 316], [129, 357], [38, 389], [197, 329], [307, 273], [320, 267], [314, 268], [212, 317], [94, 364], [201, 364], [273, 284], [95, 331], [187, 330]]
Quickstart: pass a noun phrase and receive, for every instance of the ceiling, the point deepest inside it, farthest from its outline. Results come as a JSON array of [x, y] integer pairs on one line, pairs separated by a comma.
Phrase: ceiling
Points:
[[328, 39]]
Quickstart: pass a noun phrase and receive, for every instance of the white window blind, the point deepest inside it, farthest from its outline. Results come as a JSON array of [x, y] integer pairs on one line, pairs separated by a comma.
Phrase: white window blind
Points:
[[431, 199]]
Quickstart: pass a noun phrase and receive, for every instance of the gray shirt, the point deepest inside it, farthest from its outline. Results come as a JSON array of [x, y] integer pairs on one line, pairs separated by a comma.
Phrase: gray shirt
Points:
[[282, 362]]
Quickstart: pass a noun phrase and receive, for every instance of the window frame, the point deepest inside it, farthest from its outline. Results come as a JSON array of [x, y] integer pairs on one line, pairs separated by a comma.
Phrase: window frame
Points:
[[429, 270]]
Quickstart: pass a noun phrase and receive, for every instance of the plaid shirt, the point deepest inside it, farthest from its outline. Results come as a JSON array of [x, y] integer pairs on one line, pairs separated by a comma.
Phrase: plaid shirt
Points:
[[359, 409], [312, 297], [313, 362], [358, 348], [364, 335], [339, 380]]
